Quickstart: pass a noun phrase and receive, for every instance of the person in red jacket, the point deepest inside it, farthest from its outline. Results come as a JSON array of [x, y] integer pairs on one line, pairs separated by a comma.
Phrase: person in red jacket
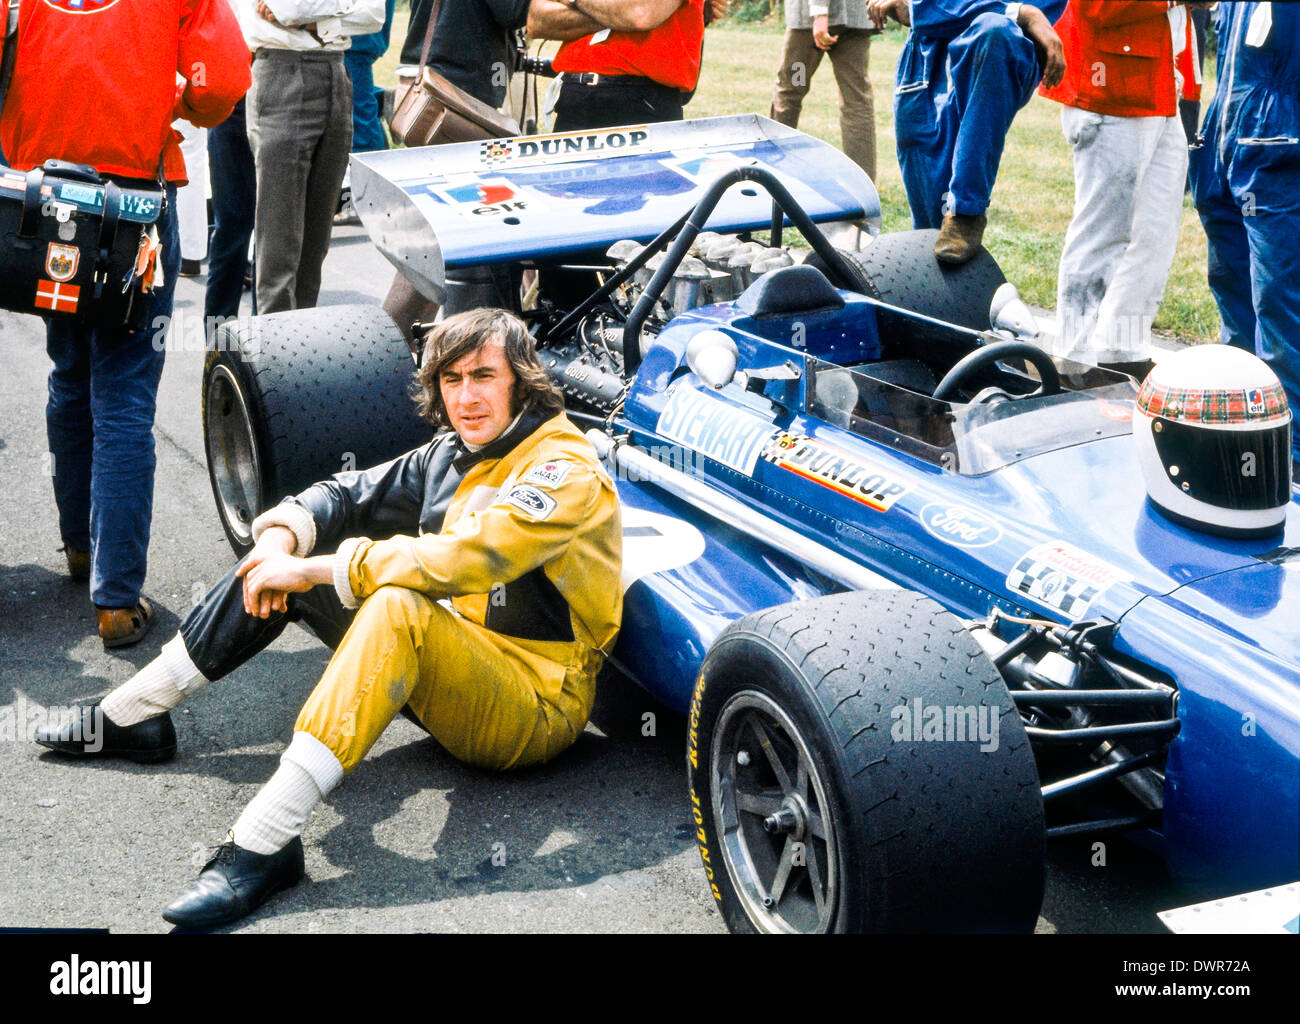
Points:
[[622, 61], [95, 82], [1126, 64]]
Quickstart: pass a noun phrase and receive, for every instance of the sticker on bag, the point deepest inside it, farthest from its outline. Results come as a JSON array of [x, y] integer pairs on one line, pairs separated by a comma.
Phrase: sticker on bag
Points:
[[61, 261], [56, 297]]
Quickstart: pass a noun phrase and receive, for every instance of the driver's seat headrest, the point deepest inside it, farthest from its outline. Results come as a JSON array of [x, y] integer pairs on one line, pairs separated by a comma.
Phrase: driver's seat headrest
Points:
[[797, 289]]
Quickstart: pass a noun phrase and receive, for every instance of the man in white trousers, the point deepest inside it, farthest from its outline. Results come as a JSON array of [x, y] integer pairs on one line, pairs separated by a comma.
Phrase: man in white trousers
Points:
[[192, 199], [1120, 93]]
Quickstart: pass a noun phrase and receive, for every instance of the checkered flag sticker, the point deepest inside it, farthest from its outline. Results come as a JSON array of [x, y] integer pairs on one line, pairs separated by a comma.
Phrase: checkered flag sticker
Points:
[[495, 151], [1052, 586]]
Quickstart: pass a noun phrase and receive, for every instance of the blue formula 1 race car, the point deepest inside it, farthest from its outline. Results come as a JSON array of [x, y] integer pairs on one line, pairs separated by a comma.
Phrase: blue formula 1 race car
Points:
[[914, 582]]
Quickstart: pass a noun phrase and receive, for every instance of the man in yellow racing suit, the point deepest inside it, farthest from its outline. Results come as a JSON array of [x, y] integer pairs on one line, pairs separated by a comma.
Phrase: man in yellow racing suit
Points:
[[484, 611]]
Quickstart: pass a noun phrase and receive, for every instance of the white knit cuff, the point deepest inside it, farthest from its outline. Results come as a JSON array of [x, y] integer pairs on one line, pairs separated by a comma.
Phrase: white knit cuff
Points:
[[316, 759], [815, 9], [342, 562], [292, 517]]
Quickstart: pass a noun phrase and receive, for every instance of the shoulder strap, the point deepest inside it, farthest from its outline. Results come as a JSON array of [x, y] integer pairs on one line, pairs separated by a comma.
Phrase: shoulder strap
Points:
[[10, 50], [428, 36]]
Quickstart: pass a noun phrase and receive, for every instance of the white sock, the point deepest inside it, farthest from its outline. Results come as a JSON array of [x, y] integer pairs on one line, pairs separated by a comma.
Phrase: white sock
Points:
[[308, 771], [158, 687]]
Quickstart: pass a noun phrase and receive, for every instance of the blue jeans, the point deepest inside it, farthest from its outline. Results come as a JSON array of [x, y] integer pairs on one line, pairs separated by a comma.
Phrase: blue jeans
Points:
[[99, 421], [234, 201]]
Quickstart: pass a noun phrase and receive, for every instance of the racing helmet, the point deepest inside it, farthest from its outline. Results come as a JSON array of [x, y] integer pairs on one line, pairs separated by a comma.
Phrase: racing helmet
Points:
[[1213, 434]]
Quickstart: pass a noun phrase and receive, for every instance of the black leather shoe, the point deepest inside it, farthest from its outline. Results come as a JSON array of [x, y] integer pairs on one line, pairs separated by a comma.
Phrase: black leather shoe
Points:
[[234, 883], [94, 734]]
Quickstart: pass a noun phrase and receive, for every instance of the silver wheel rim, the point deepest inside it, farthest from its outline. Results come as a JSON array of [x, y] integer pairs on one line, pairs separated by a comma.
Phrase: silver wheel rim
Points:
[[232, 454], [773, 818]]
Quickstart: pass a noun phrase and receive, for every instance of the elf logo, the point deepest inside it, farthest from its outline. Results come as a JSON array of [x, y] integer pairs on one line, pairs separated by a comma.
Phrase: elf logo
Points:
[[487, 198], [131, 978], [481, 193]]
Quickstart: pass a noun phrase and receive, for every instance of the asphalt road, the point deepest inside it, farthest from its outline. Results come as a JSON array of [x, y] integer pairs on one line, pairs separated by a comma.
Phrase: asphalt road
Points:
[[598, 841]]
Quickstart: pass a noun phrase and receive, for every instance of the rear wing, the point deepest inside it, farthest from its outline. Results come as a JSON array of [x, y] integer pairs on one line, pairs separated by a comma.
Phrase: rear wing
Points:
[[550, 198]]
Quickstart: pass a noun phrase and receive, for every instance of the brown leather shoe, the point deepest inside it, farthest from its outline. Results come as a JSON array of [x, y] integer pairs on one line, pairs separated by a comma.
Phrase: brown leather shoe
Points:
[[121, 627], [78, 563], [959, 237]]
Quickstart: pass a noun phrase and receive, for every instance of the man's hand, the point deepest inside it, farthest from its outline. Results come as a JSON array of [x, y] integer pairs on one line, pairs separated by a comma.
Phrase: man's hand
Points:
[[262, 570], [1051, 54], [821, 32], [880, 11], [266, 14]]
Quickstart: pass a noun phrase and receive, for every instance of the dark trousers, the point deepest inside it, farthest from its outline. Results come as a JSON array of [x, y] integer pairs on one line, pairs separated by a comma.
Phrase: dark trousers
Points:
[[220, 636], [300, 132], [615, 101], [234, 203]]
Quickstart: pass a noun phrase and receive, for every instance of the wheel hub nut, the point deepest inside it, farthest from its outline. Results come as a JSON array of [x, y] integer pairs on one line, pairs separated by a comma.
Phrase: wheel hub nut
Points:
[[782, 822]]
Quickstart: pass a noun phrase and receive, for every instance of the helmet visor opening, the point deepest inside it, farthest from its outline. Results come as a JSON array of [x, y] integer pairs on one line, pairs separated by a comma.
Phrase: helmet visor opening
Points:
[[1230, 469]]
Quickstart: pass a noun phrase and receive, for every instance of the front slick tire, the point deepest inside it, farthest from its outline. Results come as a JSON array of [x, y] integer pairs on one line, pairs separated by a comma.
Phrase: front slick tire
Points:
[[815, 812]]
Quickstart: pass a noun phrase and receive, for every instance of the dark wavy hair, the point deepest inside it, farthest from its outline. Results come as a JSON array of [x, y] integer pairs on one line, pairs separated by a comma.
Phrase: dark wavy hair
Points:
[[461, 334]]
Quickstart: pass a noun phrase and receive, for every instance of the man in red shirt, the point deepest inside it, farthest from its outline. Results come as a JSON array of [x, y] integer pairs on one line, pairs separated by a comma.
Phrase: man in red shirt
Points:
[[78, 95], [622, 61], [1120, 94]]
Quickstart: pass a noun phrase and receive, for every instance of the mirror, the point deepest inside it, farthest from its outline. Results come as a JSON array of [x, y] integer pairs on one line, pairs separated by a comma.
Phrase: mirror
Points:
[[1010, 317], [712, 356]]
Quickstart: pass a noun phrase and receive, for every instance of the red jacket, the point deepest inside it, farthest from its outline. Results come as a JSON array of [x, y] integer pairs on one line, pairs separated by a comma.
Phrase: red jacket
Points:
[[1119, 59], [95, 81], [669, 53]]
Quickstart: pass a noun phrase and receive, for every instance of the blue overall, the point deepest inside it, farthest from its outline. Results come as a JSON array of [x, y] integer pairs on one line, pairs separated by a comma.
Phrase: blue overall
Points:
[[965, 70], [1246, 181], [359, 59]]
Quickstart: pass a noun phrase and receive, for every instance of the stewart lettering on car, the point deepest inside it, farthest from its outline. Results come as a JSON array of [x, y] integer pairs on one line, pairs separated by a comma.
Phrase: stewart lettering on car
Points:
[[813, 539], [713, 428]]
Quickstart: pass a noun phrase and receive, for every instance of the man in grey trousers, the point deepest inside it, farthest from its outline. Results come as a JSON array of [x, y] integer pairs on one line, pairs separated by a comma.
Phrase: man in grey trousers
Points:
[[300, 130], [841, 29]]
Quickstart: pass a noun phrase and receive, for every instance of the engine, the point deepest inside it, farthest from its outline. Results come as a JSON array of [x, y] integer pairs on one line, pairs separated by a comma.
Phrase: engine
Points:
[[587, 362]]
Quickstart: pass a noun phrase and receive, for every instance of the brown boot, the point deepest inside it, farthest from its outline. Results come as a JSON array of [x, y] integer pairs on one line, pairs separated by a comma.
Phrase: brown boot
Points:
[[121, 627], [78, 563], [959, 238]]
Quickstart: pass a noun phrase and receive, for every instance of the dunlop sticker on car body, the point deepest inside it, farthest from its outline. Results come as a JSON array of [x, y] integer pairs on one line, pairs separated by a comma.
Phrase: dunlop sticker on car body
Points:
[[846, 474], [1063, 577], [714, 428]]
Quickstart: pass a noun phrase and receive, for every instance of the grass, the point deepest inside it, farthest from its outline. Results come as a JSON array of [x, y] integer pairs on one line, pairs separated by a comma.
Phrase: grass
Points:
[[1031, 203]]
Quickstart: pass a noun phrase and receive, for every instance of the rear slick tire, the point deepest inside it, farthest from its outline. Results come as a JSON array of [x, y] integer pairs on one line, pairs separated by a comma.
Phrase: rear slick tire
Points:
[[293, 398]]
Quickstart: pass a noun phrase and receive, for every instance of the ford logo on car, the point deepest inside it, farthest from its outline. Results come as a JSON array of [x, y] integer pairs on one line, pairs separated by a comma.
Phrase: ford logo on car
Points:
[[958, 525]]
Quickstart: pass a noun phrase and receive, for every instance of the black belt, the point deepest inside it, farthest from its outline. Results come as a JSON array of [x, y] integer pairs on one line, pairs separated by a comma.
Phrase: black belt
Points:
[[593, 79], [278, 53]]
